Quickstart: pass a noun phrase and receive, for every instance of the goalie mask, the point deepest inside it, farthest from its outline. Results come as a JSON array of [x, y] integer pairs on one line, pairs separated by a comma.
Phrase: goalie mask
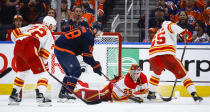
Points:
[[134, 71], [50, 22]]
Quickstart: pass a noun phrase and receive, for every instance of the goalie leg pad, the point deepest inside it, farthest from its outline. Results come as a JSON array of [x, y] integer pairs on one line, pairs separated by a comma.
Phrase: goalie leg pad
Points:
[[88, 94]]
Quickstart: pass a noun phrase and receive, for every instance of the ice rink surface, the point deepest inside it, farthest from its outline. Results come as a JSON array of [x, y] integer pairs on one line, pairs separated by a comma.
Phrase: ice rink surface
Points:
[[176, 105]]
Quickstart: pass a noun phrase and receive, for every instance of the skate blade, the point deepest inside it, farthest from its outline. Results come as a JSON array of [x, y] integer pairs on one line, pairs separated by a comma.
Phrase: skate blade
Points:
[[39, 100], [12, 103], [70, 101], [62, 100], [199, 101], [48, 104], [66, 101]]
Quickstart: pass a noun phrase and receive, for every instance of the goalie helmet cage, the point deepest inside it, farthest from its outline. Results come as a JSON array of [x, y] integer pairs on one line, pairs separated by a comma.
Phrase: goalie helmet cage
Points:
[[113, 43]]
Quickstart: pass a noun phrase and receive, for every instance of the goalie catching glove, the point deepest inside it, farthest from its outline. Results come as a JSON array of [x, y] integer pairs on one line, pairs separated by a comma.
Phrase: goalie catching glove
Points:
[[97, 68]]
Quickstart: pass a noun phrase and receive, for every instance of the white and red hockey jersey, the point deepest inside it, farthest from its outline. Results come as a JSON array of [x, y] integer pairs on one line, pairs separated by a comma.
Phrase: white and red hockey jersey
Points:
[[129, 87], [165, 40], [40, 31]]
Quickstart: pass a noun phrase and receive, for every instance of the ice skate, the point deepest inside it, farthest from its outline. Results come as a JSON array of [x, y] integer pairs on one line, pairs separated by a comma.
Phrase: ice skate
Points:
[[196, 98], [43, 101], [151, 95], [14, 98], [65, 97]]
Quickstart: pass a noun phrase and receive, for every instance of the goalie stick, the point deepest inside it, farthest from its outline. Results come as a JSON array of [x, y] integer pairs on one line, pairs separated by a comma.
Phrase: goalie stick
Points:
[[131, 98], [85, 101], [5, 72], [170, 98]]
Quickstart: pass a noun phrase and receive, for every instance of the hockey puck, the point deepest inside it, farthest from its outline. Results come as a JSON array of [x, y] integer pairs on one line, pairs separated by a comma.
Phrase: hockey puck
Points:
[[83, 69]]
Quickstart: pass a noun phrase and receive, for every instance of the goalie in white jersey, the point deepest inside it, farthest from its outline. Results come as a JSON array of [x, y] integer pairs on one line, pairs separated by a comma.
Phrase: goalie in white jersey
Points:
[[33, 46], [162, 56]]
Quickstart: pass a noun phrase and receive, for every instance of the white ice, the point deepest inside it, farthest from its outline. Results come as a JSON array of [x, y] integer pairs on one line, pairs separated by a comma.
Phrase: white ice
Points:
[[181, 104]]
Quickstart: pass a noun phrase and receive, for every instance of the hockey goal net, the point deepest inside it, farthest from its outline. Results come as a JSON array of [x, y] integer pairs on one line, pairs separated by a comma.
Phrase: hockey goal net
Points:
[[107, 50]]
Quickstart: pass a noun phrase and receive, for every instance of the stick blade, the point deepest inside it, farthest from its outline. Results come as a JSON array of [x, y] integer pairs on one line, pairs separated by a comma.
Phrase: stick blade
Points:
[[5, 72], [166, 99], [92, 102]]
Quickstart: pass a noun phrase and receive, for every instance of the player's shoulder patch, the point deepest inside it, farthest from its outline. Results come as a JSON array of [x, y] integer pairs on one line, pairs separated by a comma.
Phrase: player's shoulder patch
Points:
[[169, 27]]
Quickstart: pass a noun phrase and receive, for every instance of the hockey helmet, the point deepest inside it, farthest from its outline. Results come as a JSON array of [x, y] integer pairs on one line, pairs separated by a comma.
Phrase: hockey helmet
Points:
[[18, 16], [49, 20], [134, 72]]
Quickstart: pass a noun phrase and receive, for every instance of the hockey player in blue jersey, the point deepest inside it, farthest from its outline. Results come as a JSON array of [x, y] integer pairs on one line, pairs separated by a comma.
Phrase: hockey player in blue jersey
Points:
[[79, 41]]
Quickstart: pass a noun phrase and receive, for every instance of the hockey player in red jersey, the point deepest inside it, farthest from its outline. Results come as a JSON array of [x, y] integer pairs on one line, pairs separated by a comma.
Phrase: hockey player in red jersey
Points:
[[134, 83], [33, 46], [162, 56]]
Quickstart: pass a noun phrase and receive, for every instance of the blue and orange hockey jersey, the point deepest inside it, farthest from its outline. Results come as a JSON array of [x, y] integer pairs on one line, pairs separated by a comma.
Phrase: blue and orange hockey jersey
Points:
[[79, 41]]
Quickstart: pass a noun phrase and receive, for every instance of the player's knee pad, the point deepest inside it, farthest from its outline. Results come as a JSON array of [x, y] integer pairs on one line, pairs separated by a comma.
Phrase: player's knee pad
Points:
[[90, 95]]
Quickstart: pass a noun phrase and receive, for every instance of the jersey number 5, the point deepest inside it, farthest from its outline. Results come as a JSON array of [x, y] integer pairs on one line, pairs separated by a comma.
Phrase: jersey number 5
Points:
[[159, 37]]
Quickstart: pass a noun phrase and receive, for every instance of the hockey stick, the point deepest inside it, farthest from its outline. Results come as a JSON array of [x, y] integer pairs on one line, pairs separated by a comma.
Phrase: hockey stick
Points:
[[5, 72], [131, 98], [170, 98], [85, 101]]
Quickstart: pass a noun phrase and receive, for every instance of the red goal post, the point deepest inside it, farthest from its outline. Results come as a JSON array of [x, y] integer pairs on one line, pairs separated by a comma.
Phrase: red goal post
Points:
[[112, 41]]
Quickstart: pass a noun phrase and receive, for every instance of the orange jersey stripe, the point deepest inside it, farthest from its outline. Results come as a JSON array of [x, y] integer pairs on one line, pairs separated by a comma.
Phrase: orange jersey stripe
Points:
[[97, 65], [71, 84], [64, 50], [87, 55]]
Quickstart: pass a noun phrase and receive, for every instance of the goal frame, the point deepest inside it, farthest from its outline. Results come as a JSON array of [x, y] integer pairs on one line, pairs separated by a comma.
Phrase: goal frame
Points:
[[119, 35]]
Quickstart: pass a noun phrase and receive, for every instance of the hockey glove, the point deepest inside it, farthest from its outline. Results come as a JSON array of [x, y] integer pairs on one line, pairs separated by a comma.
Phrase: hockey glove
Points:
[[186, 36], [97, 68]]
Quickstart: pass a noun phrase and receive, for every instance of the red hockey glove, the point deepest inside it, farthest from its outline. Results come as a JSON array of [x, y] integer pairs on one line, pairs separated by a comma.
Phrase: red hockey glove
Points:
[[186, 35]]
